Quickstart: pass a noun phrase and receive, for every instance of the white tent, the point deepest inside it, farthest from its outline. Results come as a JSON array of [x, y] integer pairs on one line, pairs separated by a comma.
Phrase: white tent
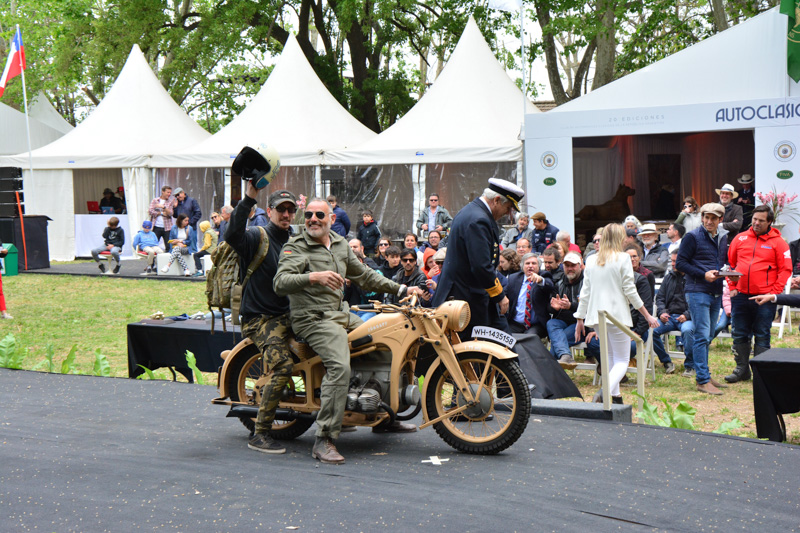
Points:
[[293, 112], [135, 120], [43, 111], [13, 138], [720, 108]]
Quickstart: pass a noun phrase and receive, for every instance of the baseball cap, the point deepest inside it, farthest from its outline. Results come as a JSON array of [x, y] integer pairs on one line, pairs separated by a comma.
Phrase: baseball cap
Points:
[[147, 224], [572, 258], [280, 197], [177, 190]]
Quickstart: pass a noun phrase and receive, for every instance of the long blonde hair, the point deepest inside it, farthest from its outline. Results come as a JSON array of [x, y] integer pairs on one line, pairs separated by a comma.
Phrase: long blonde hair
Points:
[[610, 243]]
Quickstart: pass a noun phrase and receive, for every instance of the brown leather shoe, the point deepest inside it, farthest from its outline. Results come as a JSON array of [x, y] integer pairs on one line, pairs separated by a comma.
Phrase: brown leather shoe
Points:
[[718, 385], [396, 427], [325, 450], [709, 388]]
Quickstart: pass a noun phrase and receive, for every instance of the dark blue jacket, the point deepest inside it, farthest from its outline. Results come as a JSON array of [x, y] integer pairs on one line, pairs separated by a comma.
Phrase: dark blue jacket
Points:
[[542, 238], [698, 254], [369, 237], [540, 295], [191, 209], [342, 224], [259, 218]]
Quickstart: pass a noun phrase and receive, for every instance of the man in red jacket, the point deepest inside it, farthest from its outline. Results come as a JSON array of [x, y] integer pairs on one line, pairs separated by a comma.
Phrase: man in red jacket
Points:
[[763, 258]]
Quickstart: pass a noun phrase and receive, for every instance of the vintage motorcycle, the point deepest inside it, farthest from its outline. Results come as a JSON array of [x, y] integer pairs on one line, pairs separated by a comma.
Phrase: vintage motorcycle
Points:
[[473, 393]]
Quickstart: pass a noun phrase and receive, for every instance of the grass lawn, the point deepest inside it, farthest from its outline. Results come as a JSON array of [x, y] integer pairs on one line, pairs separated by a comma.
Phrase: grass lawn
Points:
[[93, 313]]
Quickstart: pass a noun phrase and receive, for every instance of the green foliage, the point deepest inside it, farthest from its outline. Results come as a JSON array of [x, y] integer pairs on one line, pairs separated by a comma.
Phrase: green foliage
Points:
[[11, 355], [101, 365], [726, 428], [681, 417], [191, 362], [147, 372], [68, 366]]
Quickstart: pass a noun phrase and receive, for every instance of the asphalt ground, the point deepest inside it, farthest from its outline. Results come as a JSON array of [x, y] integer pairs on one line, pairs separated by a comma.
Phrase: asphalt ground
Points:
[[81, 453]]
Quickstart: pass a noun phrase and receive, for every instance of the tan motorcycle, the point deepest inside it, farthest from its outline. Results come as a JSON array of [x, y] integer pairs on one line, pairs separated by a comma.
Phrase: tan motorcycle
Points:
[[473, 393]]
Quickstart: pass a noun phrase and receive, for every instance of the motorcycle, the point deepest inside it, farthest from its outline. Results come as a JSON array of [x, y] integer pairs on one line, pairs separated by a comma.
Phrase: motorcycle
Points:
[[473, 393]]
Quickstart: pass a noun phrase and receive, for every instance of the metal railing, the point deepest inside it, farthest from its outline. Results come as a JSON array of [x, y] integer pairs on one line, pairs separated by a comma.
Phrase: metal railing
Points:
[[640, 360]]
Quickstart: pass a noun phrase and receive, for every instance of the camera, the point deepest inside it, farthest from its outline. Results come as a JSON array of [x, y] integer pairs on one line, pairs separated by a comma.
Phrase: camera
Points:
[[258, 165]]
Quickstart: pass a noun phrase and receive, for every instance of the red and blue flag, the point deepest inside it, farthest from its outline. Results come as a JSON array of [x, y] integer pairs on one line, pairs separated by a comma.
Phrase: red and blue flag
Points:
[[15, 63]]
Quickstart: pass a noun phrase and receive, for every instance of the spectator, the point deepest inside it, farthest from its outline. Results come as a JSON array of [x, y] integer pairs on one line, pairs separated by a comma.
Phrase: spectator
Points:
[[434, 217], [552, 263], [702, 254], [564, 238], [656, 256], [689, 217], [409, 275], [410, 241], [109, 201], [544, 233], [215, 221], [673, 312], [210, 240], [427, 261], [433, 282], [257, 217], [631, 222], [392, 264], [732, 221], [356, 246], [182, 241], [4, 314], [630, 237], [161, 213], [146, 241], [592, 247], [434, 240], [520, 231], [528, 295], [675, 233], [186, 205], [763, 258], [746, 199], [380, 253], [609, 285], [794, 252], [635, 252], [523, 247], [725, 312], [113, 240], [355, 295], [121, 194], [224, 217], [342, 223], [369, 234], [563, 305], [508, 263]]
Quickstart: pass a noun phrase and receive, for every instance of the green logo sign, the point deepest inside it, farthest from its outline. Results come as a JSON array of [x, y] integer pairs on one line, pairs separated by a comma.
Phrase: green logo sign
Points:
[[785, 174], [549, 181]]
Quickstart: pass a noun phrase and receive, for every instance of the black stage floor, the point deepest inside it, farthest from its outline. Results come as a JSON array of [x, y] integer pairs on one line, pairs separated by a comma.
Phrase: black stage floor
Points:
[[80, 453], [129, 268]]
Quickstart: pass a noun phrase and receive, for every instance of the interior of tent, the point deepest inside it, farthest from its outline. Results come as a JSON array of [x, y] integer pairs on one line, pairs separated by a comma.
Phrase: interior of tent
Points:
[[662, 169]]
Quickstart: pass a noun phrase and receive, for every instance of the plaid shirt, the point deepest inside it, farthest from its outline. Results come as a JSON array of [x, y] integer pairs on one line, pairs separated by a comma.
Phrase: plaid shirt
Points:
[[156, 211]]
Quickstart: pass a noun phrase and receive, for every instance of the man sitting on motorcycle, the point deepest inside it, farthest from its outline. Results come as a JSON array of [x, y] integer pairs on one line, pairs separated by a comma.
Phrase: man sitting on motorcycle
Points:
[[311, 273]]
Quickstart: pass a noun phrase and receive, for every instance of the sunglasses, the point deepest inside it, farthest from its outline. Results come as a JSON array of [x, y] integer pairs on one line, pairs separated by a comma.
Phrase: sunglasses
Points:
[[596, 241], [284, 208], [433, 200], [381, 244], [319, 214], [439, 262], [409, 260]]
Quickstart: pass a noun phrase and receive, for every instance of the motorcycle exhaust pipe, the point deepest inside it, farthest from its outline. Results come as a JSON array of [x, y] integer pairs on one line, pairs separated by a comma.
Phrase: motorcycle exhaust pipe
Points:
[[251, 411]]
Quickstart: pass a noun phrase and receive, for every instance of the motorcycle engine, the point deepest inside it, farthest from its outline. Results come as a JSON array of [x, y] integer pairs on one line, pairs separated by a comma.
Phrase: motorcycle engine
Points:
[[370, 385]]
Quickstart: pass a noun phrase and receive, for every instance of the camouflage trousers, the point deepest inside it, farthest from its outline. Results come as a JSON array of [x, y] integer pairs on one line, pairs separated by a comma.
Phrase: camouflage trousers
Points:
[[270, 334]]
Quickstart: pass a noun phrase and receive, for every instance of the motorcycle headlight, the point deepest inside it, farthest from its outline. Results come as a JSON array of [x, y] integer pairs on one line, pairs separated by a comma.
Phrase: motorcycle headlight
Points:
[[455, 314]]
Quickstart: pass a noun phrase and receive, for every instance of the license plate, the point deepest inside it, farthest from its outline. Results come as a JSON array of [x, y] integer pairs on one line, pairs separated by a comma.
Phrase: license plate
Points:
[[495, 335]]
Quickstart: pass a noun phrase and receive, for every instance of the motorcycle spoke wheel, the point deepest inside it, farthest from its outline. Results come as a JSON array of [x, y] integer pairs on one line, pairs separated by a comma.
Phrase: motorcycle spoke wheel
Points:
[[504, 395]]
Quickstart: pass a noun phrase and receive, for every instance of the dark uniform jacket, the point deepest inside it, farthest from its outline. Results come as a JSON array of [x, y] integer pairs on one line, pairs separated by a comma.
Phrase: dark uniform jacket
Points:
[[540, 294], [258, 296], [469, 267]]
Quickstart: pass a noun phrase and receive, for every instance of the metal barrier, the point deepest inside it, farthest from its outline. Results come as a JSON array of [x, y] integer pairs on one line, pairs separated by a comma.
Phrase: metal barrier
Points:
[[640, 361]]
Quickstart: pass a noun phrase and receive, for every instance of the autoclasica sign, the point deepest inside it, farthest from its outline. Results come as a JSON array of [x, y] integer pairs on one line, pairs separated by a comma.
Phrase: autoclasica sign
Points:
[[549, 181], [761, 112], [491, 334], [785, 174]]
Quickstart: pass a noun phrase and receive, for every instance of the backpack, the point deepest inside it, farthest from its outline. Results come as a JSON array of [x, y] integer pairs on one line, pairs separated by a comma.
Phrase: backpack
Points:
[[223, 286]]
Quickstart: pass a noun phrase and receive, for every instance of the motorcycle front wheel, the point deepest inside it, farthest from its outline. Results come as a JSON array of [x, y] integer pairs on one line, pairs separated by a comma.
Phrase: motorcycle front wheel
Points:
[[504, 395], [246, 379]]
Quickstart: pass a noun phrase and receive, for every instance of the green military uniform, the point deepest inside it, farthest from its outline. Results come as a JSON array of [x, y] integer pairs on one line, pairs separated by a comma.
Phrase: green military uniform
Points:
[[318, 315]]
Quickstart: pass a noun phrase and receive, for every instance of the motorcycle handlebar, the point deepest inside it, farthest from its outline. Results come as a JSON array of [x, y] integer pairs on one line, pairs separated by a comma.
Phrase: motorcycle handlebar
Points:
[[363, 307]]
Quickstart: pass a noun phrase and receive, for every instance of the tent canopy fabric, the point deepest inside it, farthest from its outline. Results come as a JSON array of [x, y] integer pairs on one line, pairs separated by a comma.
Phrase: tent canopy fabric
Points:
[[136, 119], [293, 112], [13, 139], [472, 113], [740, 63], [43, 111]]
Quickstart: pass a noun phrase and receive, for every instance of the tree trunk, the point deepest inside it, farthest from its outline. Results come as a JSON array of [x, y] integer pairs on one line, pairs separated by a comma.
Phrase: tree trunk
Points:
[[606, 45], [550, 53], [720, 17]]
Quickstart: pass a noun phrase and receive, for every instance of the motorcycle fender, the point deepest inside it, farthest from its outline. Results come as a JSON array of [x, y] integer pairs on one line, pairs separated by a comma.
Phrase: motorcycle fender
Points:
[[490, 348], [223, 388]]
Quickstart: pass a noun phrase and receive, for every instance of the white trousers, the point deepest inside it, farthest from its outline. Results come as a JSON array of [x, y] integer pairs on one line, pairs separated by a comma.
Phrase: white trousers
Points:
[[619, 356]]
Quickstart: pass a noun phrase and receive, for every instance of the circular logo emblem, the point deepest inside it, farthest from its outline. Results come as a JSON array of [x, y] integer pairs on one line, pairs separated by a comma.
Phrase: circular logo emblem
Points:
[[549, 181], [785, 151], [549, 160]]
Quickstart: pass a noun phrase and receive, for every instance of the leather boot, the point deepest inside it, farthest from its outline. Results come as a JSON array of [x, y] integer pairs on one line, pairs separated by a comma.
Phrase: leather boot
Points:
[[325, 450], [742, 370]]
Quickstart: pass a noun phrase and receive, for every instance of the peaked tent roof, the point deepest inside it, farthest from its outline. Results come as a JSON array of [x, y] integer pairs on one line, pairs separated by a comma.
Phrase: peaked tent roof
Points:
[[744, 62], [293, 112], [136, 119], [43, 111], [473, 112], [13, 139]]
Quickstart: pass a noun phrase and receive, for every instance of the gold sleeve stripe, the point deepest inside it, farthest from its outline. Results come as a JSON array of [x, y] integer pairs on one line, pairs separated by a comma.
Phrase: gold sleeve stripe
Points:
[[496, 290]]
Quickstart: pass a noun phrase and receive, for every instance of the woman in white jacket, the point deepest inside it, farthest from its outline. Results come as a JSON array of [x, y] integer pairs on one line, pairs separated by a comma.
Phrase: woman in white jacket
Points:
[[608, 285]]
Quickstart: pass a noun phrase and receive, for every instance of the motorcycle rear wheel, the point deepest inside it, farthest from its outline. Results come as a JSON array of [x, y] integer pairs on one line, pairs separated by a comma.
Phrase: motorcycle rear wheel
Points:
[[470, 431], [245, 380]]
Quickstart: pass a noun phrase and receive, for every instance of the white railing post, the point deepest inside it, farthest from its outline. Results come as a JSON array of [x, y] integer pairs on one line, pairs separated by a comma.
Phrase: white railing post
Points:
[[602, 333], [640, 363]]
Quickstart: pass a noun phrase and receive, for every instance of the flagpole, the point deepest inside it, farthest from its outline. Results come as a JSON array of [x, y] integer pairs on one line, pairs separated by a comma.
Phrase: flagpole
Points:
[[30, 157], [524, 75]]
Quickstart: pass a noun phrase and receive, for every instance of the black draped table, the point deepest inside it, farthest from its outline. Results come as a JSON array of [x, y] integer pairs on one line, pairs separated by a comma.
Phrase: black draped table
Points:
[[156, 344], [776, 390]]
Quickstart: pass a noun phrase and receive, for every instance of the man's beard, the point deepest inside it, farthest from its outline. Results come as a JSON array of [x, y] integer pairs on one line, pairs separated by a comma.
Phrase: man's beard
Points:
[[317, 230]]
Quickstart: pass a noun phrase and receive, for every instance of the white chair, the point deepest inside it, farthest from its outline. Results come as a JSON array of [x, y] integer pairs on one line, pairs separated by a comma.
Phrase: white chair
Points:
[[786, 313]]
